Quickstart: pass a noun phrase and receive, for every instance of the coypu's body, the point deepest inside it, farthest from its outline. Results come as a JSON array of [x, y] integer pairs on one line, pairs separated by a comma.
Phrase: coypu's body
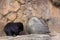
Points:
[[12, 29]]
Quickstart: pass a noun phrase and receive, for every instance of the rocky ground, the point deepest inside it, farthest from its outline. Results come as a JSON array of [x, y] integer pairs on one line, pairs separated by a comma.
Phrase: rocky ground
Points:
[[28, 37], [32, 37], [24, 10]]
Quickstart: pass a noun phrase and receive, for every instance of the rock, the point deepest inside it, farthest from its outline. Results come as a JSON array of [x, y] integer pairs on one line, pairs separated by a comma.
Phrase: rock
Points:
[[23, 7], [22, 1], [54, 24], [1, 3], [10, 5], [56, 37], [4, 20], [37, 26], [27, 37], [14, 6], [11, 16], [2, 24], [20, 14], [6, 7], [17, 20], [0, 16], [24, 19], [28, 12]]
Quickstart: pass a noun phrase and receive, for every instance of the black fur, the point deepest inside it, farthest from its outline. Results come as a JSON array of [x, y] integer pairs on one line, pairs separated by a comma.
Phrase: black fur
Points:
[[12, 29]]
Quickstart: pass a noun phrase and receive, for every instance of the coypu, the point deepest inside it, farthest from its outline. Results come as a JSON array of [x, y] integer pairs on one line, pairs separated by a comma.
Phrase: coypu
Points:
[[12, 29]]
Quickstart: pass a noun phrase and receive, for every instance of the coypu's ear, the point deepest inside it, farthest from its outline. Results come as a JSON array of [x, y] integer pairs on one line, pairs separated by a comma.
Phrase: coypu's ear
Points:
[[56, 3]]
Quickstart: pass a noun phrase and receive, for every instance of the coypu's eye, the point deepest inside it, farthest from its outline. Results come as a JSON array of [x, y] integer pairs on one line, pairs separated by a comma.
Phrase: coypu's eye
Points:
[[55, 3]]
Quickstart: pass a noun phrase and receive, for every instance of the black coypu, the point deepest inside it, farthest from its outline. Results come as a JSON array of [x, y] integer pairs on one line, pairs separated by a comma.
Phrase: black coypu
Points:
[[12, 29]]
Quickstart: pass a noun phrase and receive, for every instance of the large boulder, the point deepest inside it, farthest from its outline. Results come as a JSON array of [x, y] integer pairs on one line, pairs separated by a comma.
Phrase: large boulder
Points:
[[37, 26]]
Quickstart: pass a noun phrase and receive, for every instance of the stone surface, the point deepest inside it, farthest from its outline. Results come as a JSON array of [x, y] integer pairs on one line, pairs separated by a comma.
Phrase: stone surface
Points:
[[55, 15], [39, 8], [0, 16], [36, 25], [28, 37], [10, 5], [4, 20], [56, 36], [27, 12], [23, 1], [1, 28], [11, 16], [14, 6], [19, 14]]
